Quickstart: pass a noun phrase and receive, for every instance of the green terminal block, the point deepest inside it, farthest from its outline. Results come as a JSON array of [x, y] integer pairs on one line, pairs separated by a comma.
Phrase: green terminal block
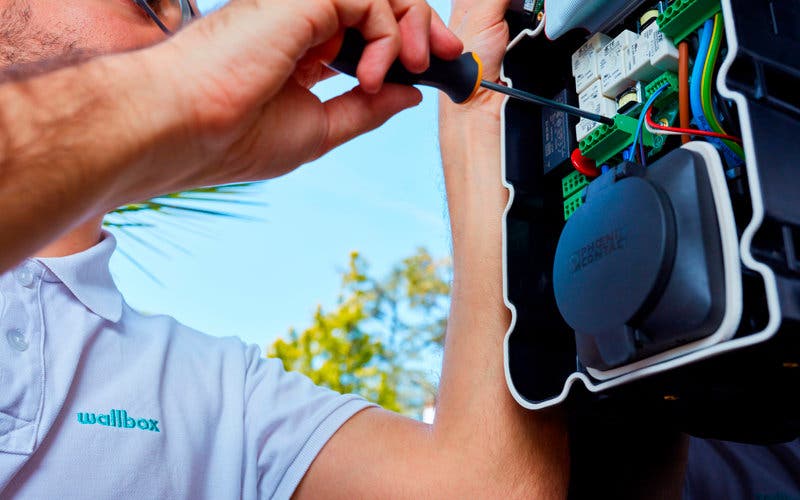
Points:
[[572, 203], [668, 94], [573, 182], [606, 141], [683, 17]]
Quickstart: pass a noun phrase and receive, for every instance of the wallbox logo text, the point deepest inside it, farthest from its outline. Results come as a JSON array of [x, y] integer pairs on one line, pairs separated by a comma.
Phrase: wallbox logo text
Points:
[[118, 418]]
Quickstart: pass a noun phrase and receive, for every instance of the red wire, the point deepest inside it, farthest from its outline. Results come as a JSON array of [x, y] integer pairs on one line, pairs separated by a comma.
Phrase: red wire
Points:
[[687, 131]]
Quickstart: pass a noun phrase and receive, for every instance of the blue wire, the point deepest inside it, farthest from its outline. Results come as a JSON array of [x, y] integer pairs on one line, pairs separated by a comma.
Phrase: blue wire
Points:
[[642, 116], [695, 93], [697, 76]]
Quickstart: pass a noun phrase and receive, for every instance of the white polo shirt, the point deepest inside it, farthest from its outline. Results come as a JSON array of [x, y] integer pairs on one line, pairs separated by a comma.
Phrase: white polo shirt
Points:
[[99, 401]]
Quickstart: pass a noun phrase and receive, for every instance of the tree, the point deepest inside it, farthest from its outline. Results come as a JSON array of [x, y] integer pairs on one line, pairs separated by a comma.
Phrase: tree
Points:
[[381, 338]]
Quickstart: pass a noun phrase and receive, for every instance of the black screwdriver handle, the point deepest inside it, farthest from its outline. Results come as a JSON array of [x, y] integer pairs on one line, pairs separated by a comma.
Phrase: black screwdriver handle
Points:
[[460, 78]]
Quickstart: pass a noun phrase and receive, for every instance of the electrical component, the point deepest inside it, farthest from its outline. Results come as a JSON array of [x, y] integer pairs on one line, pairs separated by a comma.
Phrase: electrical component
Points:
[[607, 141], [663, 53], [584, 61], [638, 55], [630, 99], [572, 204], [666, 78], [558, 135], [572, 183], [683, 17], [593, 100], [584, 165], [612, 64], [648, 18], [650, 54]]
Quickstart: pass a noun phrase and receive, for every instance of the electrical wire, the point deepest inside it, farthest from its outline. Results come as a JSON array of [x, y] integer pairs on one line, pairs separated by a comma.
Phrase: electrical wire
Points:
[[706, 93], [647, 105], [684, 110], [656, 131], [695, 89], [653, 125]]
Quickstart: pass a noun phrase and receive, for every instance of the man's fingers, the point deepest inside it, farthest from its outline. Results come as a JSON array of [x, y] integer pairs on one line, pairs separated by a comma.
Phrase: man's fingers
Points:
[[423, 33], [376, 22], [415, 25], [356, 112], [444, 44]]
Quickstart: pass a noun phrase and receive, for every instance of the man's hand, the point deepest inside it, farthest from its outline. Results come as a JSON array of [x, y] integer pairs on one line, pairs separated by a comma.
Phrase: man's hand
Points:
[[225, 100], [243, 76], [482, 28]]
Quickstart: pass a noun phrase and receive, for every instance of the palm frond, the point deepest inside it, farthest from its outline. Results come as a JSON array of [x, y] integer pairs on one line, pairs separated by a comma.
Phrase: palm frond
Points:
[[145, 224]]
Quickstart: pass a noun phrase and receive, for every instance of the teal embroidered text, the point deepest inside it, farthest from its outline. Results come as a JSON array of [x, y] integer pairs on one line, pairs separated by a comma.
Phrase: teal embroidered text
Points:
[[118, 418]]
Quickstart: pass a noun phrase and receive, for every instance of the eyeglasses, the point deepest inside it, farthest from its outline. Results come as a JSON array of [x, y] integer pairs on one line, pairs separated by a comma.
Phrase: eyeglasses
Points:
[[169, 15]]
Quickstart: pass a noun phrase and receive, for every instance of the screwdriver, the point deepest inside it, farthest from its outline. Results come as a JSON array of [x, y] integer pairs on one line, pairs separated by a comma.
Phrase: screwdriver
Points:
[[460, 78]]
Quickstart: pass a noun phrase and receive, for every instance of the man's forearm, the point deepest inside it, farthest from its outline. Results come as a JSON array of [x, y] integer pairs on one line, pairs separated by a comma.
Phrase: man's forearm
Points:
[[526, 450], [49, 127], [65, 150]]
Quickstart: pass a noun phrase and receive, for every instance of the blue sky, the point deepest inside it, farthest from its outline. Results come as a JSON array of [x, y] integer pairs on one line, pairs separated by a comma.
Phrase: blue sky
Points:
[[382, 194]]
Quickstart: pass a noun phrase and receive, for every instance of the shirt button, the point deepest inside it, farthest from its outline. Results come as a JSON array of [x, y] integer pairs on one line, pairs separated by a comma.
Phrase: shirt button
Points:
[[24, 276], [17, 340]]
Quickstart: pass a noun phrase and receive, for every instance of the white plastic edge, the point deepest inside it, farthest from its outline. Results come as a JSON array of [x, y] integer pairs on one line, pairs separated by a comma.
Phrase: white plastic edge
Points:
[[747, 258]]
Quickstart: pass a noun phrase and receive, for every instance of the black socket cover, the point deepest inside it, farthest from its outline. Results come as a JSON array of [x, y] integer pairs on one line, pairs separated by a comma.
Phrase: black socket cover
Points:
[[638, 269]]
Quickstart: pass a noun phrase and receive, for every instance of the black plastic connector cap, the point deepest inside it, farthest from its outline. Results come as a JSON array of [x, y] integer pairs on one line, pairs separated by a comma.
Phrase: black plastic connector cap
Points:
[[612, 261], [638, 269]]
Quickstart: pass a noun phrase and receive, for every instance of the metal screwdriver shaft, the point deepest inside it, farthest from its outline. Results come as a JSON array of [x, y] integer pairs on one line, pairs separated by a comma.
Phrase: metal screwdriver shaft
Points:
[[533, 98]]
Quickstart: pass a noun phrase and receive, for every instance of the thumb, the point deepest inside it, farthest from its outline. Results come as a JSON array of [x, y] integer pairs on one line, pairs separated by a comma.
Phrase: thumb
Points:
[[357, 112]]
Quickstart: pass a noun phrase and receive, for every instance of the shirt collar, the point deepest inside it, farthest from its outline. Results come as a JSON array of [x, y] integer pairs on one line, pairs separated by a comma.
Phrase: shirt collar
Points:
[[86, 274]]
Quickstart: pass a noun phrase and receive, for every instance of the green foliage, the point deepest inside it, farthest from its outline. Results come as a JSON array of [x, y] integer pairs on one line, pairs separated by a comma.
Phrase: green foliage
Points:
[[382, 335], [196, 202], [147, 225]]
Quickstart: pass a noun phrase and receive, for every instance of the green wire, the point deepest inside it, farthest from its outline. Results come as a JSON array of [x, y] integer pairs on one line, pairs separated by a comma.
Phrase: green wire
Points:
[[708, 78]]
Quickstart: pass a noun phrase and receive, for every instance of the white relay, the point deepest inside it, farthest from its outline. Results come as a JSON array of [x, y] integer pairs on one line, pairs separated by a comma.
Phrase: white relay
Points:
[[584, 61], [663, 53], [593, 100], [638, 64], [612, 64]]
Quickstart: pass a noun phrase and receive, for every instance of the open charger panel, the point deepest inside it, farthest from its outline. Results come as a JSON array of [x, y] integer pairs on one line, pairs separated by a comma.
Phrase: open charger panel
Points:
[[647, 275]]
